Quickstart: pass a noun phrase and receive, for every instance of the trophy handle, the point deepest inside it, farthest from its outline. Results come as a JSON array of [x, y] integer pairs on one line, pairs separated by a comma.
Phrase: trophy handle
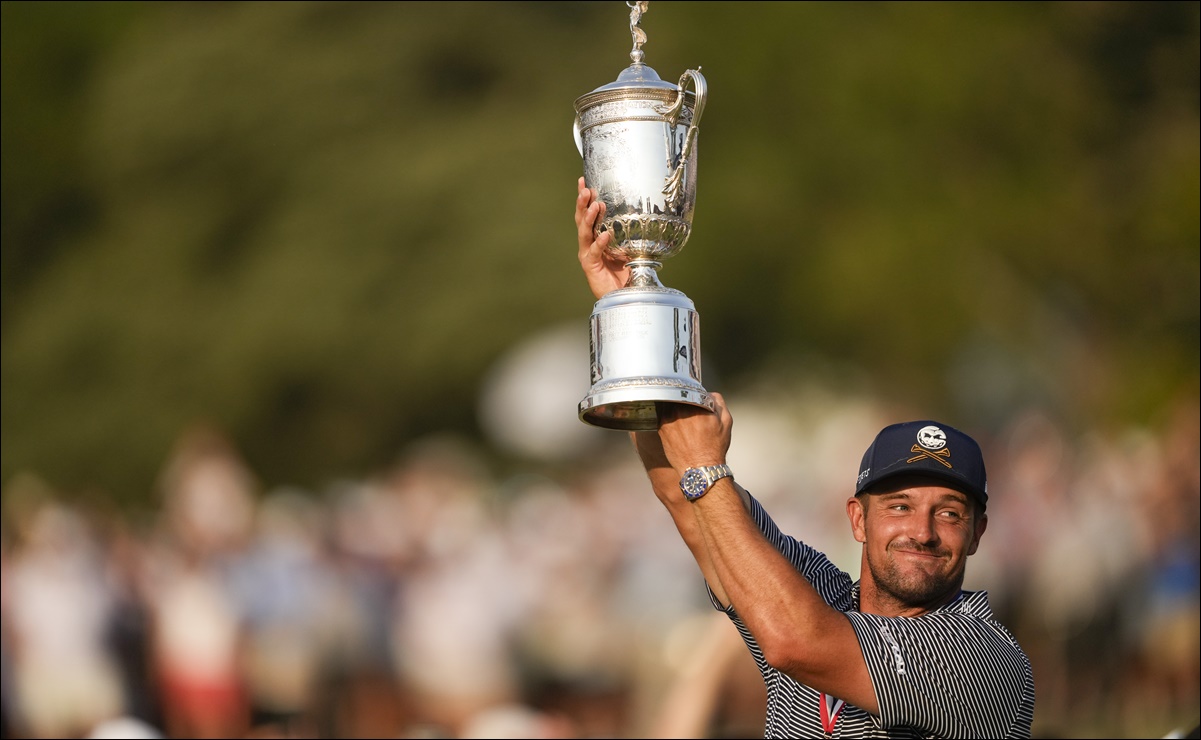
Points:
[[673, 186], [575, 131]]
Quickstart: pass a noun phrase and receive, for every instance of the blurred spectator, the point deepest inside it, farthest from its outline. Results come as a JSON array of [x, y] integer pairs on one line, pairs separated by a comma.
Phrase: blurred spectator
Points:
[[208, 499], [196, 650], [127, 568], [283, 594], [59, 612], [1167, 631], [368, 542], [455, 613]]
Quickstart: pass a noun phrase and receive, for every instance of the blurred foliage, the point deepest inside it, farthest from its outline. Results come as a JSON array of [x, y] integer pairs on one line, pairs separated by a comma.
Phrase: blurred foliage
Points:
[[316, 225]]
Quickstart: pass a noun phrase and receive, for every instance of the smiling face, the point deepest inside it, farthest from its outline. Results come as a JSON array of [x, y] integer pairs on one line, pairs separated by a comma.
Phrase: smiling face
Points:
[[917, 536]]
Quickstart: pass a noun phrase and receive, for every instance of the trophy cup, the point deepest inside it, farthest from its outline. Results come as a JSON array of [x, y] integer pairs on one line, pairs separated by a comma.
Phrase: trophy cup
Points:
[[637, 137]]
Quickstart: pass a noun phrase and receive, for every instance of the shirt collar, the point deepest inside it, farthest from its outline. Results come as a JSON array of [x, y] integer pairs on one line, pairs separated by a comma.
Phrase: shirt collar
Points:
[[969, 602]]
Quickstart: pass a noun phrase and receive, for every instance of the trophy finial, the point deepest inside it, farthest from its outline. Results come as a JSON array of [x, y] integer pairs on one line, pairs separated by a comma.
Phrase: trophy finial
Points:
[[637, 9]]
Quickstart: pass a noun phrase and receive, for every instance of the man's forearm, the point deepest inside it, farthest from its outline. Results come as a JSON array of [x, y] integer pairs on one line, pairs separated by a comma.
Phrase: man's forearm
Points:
[[665, 480], [765, 589]]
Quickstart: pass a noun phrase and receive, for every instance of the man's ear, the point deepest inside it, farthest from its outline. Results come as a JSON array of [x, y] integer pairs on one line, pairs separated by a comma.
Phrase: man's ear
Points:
[[980, 526], [857, 513]]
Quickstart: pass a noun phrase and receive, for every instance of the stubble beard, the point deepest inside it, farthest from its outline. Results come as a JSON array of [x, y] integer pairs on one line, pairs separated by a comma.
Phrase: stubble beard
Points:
[[909, 588]]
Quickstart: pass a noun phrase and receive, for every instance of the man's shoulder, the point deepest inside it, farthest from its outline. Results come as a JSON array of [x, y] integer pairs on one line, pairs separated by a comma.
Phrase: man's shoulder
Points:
[[967, 619], [971, 617], [973, 605]]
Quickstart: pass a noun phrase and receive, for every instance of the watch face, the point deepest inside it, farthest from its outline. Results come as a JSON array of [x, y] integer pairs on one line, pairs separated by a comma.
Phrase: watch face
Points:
[[694, 483]]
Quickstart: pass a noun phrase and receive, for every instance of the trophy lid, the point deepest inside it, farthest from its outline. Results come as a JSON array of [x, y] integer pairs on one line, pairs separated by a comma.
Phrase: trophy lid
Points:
[[636, 79], [637, 75]]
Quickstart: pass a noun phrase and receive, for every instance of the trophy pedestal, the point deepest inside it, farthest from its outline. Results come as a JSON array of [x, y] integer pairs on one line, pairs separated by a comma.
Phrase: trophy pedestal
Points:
[[645, 351]]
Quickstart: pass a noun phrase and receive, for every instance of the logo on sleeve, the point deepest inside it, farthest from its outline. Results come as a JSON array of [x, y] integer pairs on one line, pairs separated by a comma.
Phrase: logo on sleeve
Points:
[[896, 649]]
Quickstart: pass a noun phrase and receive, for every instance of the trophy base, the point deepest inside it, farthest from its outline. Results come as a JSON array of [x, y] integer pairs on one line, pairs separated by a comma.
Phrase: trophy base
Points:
[[636, 409], [645, 352]]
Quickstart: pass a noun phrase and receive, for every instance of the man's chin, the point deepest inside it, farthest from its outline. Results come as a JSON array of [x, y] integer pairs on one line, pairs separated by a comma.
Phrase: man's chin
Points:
[[917, 587]]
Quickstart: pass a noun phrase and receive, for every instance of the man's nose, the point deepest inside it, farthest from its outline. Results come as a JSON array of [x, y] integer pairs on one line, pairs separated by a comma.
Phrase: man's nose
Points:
[[924, 531]]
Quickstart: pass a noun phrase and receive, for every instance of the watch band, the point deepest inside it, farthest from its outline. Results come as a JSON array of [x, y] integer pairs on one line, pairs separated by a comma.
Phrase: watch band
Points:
[[696, 482]]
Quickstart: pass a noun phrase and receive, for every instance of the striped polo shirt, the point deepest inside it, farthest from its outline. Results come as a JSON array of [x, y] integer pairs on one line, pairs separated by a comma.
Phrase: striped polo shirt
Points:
[[954, 672]]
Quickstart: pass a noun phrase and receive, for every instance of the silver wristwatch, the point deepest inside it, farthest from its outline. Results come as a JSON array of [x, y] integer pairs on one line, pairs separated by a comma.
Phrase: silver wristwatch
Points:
[[697, 481]]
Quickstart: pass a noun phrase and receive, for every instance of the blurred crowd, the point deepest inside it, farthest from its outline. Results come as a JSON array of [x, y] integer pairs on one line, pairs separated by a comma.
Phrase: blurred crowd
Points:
[[440, 599]]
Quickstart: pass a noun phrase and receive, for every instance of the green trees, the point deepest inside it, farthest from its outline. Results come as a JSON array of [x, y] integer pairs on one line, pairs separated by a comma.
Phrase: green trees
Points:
[[316, 225]]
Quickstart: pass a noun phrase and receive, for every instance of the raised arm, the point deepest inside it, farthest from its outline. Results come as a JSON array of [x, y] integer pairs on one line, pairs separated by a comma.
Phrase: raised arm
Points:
[[799, 633], [606, 273]]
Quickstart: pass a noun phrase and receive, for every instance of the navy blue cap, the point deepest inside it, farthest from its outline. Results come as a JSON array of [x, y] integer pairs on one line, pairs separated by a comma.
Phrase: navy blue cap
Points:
[[927, 448]]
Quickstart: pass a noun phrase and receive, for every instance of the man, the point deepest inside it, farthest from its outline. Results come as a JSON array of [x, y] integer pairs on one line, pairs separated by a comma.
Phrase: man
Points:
[[904, 652]]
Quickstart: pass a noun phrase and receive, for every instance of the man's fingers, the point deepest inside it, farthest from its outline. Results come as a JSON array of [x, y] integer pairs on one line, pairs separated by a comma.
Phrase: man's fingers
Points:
[[602, 241], [595, 213], [585, 221], [719, 401], [588, 238], [581, 207]]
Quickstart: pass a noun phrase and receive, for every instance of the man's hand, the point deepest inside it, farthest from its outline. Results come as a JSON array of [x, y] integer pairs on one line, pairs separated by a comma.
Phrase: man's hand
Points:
[[693, 436], [604, 272]]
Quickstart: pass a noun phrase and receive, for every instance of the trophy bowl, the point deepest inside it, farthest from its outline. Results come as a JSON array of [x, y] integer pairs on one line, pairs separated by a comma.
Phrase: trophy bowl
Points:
[[637, 138]]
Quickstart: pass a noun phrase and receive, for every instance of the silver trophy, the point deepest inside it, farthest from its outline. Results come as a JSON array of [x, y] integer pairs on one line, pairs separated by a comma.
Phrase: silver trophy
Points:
[[637, 137]]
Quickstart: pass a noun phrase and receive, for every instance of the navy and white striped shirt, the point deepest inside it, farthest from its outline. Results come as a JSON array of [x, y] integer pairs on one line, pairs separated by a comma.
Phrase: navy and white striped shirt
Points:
[[954, 672]]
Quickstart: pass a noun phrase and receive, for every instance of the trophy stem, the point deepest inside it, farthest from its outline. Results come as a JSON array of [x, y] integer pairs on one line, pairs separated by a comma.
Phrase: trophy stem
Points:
[[643, 275]]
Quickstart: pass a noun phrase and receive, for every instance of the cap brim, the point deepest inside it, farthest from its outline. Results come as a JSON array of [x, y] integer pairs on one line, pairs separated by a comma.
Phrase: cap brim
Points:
[[953, 481]]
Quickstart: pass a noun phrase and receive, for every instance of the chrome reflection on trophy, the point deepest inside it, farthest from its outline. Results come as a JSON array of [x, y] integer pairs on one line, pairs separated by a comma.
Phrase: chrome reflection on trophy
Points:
[[638, 139]]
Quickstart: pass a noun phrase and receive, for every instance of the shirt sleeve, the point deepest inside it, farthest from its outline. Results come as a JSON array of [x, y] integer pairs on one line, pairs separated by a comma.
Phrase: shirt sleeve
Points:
[[833, 584], [952, 675]]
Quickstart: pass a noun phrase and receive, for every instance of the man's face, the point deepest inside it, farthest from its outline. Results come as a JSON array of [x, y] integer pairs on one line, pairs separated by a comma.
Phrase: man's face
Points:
[[917, 536]]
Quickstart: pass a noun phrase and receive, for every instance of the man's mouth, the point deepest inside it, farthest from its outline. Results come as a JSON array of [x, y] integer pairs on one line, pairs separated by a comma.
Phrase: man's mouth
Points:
[[929, 554]]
